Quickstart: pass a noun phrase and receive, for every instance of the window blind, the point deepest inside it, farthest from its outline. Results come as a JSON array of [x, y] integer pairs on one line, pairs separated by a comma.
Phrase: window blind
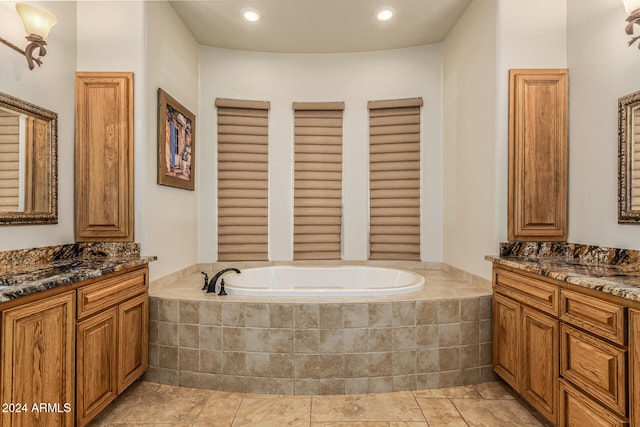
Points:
[[9, 161], [317, 180], [394, 179], [243, 196], [635, 171]]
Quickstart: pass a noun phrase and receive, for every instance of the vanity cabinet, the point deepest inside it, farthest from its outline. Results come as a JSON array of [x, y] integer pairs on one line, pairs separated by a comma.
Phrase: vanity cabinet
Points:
[[566, 350], [73, 351], [538, 154], [525, 339], [104, 157], [38, 362], [112, 340]]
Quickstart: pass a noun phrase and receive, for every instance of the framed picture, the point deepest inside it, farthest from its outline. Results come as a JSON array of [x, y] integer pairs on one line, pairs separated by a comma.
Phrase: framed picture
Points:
[[176, 143]]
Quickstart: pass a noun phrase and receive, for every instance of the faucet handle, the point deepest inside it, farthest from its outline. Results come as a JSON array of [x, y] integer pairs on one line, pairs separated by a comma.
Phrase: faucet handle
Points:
[[206, 280], [222, 291]]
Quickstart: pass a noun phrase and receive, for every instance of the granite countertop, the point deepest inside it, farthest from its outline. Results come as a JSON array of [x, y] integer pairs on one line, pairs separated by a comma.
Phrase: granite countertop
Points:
[[26, 272], [609, 270]]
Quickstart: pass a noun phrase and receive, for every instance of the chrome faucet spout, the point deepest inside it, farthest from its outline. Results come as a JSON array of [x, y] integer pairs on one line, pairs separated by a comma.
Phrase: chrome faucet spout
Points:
[[211, 288]]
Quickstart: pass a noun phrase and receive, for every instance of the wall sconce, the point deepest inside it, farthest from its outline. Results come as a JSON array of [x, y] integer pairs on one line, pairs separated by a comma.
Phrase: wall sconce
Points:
[[37, 23], [633, 10]]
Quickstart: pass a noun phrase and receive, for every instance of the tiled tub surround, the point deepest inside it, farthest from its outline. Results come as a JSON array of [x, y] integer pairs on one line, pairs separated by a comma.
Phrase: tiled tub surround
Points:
[[29, 271], [610, 270], [438, 337]]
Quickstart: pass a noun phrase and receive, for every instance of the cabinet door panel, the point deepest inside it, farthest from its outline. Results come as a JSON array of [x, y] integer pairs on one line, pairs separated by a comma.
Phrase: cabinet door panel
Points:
[[96, 364], [538, 154], [506, 330], [38, 341], [133, 320], [104, 156], [634, 366], [540, 362], [577, 410], [594, 366]]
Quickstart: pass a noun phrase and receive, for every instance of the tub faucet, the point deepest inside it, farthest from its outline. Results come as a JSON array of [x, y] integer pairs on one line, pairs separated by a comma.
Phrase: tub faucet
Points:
[[212, 284]]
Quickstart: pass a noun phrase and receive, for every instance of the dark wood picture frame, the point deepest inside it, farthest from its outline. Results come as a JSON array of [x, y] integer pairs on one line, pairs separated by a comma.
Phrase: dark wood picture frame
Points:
[[176, 143]]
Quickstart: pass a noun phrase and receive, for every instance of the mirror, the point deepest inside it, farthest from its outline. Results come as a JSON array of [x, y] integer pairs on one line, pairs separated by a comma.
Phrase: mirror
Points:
[[28, 163]]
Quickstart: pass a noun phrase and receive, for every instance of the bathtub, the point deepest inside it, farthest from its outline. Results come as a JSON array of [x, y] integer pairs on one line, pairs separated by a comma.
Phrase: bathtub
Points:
[[322, 281]]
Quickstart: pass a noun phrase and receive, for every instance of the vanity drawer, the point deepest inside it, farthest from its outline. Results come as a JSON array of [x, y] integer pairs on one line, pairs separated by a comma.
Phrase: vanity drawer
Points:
[[603, 318], [108, 292], [576, 409], [597, 367], [535, 293]]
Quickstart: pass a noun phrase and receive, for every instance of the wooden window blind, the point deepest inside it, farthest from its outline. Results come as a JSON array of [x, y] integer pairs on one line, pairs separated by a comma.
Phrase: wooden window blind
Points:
[[394, 179], [243, 195], [635, 168], [318, 180], [9, 161]]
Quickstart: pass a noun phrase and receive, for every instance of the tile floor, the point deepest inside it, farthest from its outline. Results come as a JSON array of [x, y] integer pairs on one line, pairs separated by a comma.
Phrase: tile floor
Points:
[[157, 405]]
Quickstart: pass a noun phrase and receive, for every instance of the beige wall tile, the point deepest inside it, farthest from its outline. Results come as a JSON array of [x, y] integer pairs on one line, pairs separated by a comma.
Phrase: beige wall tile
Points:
[[281, 341], [449, 335], [256, 314], [168, 310], [168, 357], [426, 312], [485, 307], [257, 385], [355, 340], [168, 333], [257, 364], [210, 313], [189, 335], [380, 314], [404, 338], [356, 365], [404, 362], [306, 366], [233, 314], [189, 312], [210, 338], [448, 311], [485, 331], [330, 365], [428, 360], [427, 336], [211, 361], [469, 332], [168, 376], [281, 365], [469, 356], [380, 364], [469, 309], [404, 313], [331, 341], [380, 339], [331, 316], [233, 363], [189, 360], [356, 315], [281, 386], [233, 383], [234, 339], [281, 315], [153, 308], [307, 387], [306, 340], [153, 332], [449, 358], [332, 386], [404, 382], [356, 385], [257, 339], [306, 316]]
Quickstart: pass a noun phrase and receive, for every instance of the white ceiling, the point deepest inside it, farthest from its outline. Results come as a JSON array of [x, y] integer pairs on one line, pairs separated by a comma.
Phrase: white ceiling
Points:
[[319, 26]]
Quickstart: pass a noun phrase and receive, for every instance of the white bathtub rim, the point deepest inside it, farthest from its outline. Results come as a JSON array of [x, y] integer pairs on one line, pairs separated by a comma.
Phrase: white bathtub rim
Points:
[[412, 282]]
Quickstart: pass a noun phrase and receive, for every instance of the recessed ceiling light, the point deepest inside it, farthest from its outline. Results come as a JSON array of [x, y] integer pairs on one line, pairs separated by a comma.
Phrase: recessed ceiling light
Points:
[[251, 14], [385, 14]]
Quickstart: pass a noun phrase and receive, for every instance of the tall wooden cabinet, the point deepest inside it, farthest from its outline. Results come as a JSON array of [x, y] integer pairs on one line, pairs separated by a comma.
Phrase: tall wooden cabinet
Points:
[[104, 156], [538, 154], [38, 363]]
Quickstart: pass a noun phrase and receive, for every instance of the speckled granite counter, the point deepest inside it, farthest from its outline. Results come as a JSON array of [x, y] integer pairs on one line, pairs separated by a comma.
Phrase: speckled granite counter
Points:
[[29, 271], [609, 270]]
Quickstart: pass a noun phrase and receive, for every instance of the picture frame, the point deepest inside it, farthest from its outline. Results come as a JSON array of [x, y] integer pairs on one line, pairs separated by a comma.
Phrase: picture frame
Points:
[[176, 143]]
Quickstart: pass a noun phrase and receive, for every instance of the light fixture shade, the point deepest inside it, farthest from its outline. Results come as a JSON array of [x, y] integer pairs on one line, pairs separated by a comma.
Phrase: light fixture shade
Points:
[[36, 20], [631, 5]]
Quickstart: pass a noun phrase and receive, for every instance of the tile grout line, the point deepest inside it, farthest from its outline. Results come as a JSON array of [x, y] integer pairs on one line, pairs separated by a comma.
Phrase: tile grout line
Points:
[[415, 398], [458, 410]]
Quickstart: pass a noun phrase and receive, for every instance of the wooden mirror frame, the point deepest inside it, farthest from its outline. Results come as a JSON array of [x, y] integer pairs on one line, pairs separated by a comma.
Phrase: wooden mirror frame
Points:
[[50, 214]]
